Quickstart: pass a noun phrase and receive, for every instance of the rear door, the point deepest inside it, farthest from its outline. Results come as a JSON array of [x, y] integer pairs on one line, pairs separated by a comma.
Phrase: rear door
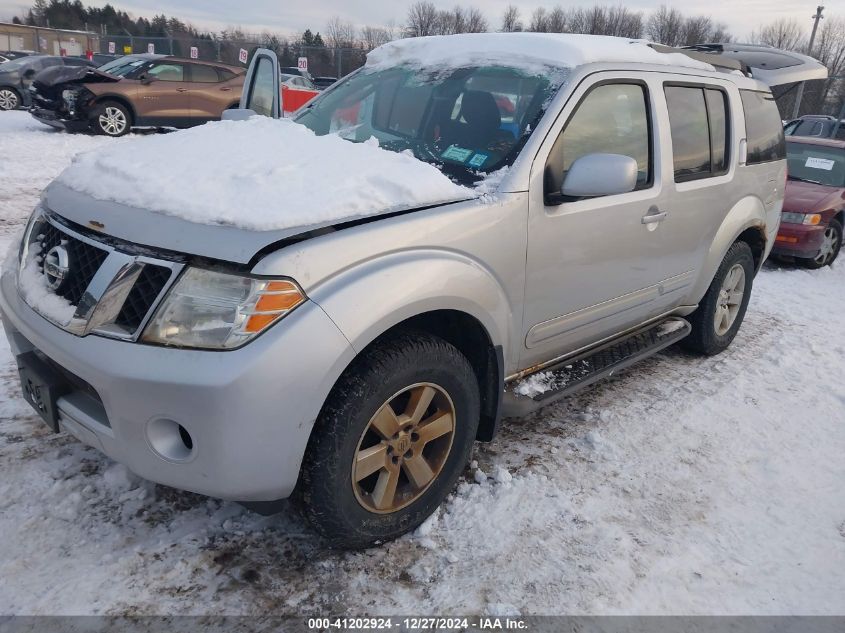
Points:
[[211, 92]]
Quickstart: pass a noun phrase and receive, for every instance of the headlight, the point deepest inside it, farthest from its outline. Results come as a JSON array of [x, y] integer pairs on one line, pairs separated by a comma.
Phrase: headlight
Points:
[[214, 310], [811, 219], [68, 94]]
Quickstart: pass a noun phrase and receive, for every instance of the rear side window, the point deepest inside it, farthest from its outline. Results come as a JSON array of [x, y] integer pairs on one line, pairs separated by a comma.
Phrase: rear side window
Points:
[[204, 74], [611, 119], [763, 127], [699, 124]]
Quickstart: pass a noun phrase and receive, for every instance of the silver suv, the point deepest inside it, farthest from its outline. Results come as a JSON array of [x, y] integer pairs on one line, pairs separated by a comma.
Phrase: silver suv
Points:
[[627, 202]]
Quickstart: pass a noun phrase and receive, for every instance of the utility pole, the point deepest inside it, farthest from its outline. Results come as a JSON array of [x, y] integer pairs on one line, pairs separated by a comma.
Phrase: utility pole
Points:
[[800, 94]]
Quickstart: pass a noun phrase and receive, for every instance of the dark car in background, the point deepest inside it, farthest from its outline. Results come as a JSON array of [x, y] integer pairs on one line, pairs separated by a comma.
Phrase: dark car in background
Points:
[[815, 125], [17, 75], [7, 56], [136, 91], [324, 82], [814, 204]]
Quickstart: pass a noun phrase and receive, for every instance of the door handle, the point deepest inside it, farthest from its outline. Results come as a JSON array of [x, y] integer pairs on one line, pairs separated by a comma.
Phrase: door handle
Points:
[[225, 89], [181, 90], [651, 218]]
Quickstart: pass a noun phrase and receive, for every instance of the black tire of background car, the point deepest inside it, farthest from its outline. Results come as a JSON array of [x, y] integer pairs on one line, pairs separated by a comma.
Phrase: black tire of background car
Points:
[[101, 108], [17, 97], [324, 493], [812, 264], [704, 339]]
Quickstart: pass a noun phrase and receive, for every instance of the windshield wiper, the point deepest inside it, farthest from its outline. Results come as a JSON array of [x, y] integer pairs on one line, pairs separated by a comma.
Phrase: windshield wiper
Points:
[[815, 182]]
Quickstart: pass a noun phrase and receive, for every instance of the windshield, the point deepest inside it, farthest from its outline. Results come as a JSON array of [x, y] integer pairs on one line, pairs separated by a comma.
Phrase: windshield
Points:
[[816, 163], [121, 66], [467, 121]]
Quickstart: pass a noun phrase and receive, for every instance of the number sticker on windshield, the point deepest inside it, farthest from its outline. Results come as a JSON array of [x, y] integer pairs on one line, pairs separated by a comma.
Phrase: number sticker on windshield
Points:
[[477, 160], [820, 163], [457, 153]]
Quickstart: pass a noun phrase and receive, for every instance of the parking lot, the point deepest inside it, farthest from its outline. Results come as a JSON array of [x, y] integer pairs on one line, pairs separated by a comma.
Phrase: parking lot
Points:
[[683, 485]]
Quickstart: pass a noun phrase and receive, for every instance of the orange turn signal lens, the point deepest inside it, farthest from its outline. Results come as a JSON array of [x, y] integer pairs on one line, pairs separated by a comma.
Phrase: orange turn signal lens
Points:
[[784, 238], [275, 300]]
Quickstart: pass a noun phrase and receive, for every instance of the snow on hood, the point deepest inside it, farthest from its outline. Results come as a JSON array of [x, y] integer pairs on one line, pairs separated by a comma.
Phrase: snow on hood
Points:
[[261, 174], [531, 51]]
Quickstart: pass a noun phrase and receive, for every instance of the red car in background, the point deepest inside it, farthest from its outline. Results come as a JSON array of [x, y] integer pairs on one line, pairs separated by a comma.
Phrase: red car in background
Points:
[[814, 207]]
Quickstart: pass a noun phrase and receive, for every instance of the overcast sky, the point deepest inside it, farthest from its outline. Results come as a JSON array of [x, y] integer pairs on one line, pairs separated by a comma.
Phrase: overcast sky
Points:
[[293, 16]]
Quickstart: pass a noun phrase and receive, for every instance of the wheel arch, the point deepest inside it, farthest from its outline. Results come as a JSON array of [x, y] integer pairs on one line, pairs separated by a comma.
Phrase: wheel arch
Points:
[[119, 99]]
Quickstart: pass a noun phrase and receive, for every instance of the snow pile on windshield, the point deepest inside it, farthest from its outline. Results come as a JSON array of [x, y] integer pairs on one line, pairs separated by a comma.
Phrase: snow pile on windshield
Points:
[[532, 51], [260, 174]]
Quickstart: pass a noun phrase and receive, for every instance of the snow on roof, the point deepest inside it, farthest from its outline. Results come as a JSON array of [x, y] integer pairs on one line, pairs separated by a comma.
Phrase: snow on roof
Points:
[[260, 174], [532, 51]]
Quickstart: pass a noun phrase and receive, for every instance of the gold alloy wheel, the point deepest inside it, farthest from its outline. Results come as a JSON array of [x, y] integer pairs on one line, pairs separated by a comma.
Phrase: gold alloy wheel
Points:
[[400, 454]]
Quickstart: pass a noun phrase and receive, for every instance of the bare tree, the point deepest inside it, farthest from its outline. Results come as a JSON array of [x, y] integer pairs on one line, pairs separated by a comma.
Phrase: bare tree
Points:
[[696, 30], [556, 21], [340, 33], [665, 26], [374, 36], [539, 21], [423, 19], [451, 21], [510, 20], [475, 21], [783, 33]]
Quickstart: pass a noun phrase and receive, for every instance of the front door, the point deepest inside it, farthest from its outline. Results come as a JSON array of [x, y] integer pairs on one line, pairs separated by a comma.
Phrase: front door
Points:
[[595, 266], [164, 93]]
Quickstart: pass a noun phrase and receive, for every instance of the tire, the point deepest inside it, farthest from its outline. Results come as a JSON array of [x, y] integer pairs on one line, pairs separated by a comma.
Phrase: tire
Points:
[[111, 119], [830, 249], [709, 337], [339, 503], [9, 99]]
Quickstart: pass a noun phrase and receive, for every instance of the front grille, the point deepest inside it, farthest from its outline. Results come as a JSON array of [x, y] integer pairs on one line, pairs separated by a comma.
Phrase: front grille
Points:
[[141, 298], [87, 258], [85, 261]]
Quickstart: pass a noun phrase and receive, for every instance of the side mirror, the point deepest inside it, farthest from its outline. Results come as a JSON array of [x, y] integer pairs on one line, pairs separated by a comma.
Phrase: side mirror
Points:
[[146, 79], [237, 114], [600, 175], [29, 73]]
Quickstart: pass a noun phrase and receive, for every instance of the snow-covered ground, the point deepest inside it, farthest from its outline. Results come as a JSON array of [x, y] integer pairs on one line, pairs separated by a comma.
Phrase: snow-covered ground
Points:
[[686, 485]]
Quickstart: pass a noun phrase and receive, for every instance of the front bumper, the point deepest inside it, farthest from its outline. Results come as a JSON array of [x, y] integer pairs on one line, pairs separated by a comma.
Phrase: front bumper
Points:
[[51, 118], [798, 240], [249, 411]]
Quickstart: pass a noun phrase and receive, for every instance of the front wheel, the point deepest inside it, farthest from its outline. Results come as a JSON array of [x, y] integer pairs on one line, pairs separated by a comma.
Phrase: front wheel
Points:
[[720, 314], [112, 119], [391, 441], [9, 99], [831, 245]]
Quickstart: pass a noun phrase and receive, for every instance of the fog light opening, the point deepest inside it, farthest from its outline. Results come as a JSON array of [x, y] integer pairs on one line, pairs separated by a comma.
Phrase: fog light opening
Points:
[[170, 440]]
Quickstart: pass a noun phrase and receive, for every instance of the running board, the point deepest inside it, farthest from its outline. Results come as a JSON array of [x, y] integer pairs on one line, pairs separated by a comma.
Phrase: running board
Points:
[[568, 376]]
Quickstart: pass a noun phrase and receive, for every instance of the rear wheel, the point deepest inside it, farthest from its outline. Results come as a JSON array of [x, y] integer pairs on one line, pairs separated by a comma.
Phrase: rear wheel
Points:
[[9, 99], [720, 314], [112, 119], [391, 441], [831, 245]]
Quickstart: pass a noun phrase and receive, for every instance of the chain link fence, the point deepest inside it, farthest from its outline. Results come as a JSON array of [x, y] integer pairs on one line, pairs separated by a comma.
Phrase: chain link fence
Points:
[[46, 41], [321, 61]]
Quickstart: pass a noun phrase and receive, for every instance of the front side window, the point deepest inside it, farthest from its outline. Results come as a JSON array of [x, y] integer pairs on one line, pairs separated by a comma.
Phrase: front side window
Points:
[[611, 119], [818, 164], [465, 121], [698, 122], [763, 127], [167, 72]]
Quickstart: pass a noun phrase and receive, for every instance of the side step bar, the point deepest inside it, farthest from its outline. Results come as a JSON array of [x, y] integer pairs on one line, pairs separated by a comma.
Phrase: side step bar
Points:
[[568, 376]]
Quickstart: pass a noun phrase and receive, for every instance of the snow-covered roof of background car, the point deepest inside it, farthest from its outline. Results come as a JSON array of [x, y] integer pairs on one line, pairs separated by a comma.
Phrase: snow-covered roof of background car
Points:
[[532, 51]]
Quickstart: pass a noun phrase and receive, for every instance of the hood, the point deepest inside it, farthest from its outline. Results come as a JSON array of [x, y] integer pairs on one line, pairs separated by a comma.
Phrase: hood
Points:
[[228, 189], [807, 197], [58, 77]]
